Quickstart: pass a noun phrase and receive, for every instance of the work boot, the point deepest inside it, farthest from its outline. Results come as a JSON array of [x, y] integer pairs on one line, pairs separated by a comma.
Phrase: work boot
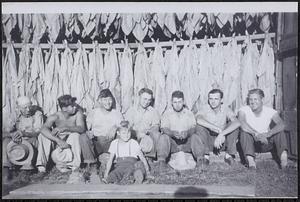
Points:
[[138, 176]]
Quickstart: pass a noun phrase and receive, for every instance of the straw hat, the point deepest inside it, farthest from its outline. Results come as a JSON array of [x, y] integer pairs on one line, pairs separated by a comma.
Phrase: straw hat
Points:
[[62, 156], [146, 144], [20, 154], [182, 161]]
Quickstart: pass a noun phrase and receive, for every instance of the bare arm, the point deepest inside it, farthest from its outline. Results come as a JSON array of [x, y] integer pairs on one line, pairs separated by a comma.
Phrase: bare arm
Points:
[[143, 159], [244, 125], [46, 128], [202, 122], [278, 127], [231, 127], [169, 132], [108, 165]]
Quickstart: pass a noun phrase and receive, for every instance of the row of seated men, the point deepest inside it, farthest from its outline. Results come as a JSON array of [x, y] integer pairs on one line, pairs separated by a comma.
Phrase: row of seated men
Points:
[[141, 132]]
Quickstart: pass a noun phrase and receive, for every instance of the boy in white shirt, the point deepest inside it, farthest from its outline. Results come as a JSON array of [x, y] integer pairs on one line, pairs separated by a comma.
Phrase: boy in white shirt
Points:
[[256, 133], [126, 151]]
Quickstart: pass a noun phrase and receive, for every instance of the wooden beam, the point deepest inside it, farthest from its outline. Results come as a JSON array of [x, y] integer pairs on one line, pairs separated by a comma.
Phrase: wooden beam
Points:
[[146, 44]]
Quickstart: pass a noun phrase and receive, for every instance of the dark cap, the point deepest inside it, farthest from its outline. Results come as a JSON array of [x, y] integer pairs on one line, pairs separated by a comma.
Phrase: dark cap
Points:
[[66, 100], [105, 93]]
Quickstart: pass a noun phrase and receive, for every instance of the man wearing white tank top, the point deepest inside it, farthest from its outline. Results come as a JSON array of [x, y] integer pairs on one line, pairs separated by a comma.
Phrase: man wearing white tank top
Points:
[[256, 134]]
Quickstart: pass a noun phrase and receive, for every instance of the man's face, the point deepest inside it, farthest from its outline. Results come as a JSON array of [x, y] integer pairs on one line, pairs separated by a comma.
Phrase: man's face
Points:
[[124, 134], [106, 103], [25, 109], [145, 100], [214, 100], [177, 104], [255, 102], [71, 109]]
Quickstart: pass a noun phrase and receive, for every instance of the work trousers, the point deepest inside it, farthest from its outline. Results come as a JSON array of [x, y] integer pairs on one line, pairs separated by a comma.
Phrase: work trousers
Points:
[[155, 138], [168, 145], [250, 146], [208, 138], [35, 142], [46, 146], [92, 148], [124, 168]]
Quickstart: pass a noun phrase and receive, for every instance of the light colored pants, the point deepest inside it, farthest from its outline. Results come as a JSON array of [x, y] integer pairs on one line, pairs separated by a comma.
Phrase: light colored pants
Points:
[[46, 145]]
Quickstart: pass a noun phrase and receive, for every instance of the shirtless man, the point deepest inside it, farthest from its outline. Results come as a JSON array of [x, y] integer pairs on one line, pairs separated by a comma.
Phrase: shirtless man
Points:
[[64, 128]]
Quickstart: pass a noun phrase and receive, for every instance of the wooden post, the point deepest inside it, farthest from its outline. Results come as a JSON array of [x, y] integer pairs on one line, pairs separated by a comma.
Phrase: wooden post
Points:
[[278, 66]]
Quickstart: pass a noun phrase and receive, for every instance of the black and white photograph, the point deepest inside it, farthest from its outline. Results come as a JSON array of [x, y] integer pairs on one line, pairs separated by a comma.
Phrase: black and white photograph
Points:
[[149, 100]]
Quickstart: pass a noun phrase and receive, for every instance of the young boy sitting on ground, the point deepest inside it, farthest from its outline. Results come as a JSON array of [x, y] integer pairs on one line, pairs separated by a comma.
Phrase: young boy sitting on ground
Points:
[[127, 151]]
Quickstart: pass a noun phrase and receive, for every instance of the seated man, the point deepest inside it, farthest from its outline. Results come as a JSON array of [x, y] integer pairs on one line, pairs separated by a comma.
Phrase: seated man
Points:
[[27, 127], [178, 132], [126, 151], [64, 128], [144, 120], [256, 134], [217, 124], [102, 124]]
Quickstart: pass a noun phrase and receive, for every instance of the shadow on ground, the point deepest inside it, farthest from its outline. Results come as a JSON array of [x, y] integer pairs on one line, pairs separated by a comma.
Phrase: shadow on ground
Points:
[[190, 191]]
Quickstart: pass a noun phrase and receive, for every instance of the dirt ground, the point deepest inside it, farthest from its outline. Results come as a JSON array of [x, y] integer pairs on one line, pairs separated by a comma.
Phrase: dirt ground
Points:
[[269, 180]]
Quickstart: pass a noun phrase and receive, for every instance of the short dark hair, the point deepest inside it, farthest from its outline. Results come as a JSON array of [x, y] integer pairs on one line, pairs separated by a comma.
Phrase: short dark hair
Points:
[[66, 100], [146, 90], [257, 91], [216, 90], [123, 124], [177, 94], [105, 93]]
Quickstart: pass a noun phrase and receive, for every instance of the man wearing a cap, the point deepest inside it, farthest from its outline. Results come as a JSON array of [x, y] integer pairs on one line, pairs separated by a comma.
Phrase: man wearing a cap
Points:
[[217, 124], [178, 131], [145, 122], [27, 128], [64, 128], [102, 125]]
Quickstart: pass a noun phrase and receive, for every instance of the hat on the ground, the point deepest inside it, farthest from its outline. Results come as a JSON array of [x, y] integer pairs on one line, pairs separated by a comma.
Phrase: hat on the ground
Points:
[[20, 154], [182, 161], [62, 156], [146, 144]]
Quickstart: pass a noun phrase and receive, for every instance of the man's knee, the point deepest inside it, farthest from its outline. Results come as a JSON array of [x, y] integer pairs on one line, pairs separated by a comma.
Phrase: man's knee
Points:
[[201, 131], [155, 136]]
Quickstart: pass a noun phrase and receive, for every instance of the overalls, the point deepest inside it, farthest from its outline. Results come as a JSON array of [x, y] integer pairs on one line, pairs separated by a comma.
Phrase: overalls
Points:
[[124, 167]]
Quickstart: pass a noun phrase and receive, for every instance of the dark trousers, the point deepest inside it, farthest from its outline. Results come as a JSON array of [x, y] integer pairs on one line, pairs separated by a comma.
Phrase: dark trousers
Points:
[[124, 168], [92, 148], [249, 145], [208, 138], [167, 145]]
